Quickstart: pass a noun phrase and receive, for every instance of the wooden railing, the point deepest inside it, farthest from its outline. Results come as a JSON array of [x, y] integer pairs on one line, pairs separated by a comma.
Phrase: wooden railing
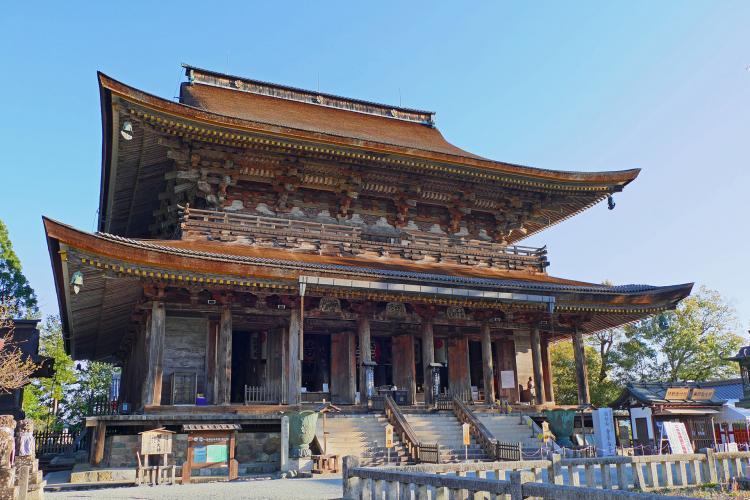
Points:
[[483, 436], [104, 406], [508, 451], [429, 453], [56, 442], [262, 394], [413, 245]]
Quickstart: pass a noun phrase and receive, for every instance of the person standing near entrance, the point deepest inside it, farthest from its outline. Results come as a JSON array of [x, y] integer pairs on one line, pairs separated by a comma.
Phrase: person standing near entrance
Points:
[[532, 390]]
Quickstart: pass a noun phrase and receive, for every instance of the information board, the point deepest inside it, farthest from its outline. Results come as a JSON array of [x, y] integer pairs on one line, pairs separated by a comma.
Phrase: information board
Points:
[[199, 454], [679, 441], [507, 380], [216, 453]]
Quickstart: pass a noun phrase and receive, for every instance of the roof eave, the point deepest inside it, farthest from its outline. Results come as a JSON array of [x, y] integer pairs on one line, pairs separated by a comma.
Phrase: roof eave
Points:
[[616, 180]]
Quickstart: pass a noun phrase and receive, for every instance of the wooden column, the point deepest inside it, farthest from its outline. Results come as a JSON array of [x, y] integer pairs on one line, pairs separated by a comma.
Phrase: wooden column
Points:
[[547, 372], [211, 338], [536, 358], [343, 368], [459, 380], [155, 332], [224, 357], [524, 368], [582, 378], [404, 376], [488, 372], [100, 439], [428, 357], [365, 356], [294, 365]]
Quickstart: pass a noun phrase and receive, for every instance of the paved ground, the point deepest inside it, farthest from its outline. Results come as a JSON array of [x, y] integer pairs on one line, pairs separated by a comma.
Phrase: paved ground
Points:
[[316, 488]]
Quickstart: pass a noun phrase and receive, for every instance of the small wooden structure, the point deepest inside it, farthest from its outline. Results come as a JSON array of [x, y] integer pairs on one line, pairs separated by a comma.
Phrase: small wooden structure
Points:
[[209, 446], [156, 442]]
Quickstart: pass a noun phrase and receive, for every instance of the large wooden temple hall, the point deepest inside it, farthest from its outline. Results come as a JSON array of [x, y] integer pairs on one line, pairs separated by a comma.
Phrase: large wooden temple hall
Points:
[[259, 244]]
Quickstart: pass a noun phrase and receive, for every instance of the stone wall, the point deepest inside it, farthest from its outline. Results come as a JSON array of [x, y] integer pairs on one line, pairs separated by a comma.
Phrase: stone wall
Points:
[[262, 447]]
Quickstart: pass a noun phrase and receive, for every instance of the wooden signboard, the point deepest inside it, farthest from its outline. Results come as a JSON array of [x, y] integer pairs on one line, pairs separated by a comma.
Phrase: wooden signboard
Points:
[[210, 446], [702, 394], [156, 442], [677, 393], [466, 428], [389, 436]]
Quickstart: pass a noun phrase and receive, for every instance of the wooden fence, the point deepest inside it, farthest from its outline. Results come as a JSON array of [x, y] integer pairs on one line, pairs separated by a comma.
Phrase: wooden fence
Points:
[[262, 394], [56, 442]]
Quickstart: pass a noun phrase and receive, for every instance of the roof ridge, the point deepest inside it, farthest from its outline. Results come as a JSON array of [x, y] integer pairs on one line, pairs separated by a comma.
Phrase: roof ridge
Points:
[[315, 98]]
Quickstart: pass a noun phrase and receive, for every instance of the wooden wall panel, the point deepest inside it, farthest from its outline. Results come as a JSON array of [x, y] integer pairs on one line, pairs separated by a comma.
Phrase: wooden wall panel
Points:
[[184, 351], [458, 364], [402, 355]]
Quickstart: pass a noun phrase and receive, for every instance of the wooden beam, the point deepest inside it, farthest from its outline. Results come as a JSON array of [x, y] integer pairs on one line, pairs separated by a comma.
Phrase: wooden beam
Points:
[[224, 357], [488, 371], [99, 440]]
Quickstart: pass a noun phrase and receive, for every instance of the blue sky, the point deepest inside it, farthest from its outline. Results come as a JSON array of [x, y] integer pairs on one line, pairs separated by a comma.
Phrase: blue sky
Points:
[[577, 85]]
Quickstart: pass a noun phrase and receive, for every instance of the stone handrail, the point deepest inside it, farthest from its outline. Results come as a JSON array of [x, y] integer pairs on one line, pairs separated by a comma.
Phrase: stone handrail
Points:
[[620, 473], [402, 482]]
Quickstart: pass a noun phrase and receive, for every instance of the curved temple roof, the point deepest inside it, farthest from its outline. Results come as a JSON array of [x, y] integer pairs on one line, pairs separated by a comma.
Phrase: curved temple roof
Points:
[[221, 263], [248, 111]]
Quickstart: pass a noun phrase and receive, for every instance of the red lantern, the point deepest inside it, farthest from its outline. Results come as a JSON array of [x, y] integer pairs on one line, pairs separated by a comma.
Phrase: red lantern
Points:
[[438, 343]]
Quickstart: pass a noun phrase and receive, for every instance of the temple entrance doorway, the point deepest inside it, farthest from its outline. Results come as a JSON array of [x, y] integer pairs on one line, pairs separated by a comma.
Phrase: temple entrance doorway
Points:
[[249, 358], [316, 365], [381, 354], [475, 367]]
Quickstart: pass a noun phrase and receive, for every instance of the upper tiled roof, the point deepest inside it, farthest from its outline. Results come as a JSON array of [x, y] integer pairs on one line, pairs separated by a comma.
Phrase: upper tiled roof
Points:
[[317, 118]]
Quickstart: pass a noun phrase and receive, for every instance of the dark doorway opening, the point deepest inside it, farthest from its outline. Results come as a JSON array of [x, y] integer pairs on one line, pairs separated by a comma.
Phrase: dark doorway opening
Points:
[[381, 354], [249, 357], [316, 364], [475, 365]]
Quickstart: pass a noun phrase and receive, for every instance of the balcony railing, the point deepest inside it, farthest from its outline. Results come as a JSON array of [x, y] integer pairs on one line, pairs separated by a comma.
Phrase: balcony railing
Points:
[[340, 239]]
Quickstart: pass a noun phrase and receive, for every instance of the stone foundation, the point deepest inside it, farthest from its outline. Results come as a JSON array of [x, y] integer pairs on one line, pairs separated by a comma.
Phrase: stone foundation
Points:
[[252, 447]]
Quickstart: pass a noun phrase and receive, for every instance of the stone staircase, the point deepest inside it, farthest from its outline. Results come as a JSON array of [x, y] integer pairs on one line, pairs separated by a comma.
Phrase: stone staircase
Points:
[[361, 435], [444, 428], [508, 428]]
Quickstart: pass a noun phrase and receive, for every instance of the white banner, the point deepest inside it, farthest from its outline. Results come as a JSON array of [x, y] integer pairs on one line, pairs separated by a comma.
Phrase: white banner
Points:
[[679, 441]]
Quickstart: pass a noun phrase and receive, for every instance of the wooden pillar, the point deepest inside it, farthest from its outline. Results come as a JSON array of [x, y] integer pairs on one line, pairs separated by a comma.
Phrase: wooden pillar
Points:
[[547, 372], [488, 372], [155, 332], [343, 368], [459, 379], [536, 358], [294, 365], [224, 357], [99, 440], [404, 376], [582, 379], [365, 356], [428, 357], [524, 368], [211, 381]]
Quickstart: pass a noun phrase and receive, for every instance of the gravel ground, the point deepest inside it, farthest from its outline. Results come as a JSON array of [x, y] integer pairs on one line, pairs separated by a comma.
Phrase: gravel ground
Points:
[[316, 488]]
